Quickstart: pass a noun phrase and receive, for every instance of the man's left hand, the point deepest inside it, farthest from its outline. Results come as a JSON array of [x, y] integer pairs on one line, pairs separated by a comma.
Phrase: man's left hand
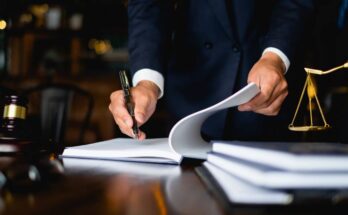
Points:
[[268, 74]]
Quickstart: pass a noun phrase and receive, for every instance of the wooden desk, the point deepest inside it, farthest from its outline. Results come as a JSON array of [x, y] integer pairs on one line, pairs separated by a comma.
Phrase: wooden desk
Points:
[[109, 187]]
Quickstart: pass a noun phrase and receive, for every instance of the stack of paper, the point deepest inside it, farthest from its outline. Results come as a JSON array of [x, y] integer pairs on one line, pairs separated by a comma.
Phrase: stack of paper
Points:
[[270, 168], [240, 191]]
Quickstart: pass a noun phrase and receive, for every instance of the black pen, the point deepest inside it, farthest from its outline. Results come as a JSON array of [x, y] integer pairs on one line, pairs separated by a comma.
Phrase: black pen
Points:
[[128, 101]]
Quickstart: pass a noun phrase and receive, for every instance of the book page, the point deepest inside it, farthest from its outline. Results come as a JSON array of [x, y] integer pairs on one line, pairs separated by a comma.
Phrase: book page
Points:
[[111, 167], [149, 150], [185, 137]]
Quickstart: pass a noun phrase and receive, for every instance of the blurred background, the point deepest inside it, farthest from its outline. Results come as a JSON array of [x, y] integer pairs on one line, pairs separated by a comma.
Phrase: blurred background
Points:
[[84, 43], [75, 42]]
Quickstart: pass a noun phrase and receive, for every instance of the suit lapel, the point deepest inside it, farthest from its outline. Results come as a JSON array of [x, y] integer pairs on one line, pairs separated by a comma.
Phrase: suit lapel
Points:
[[219, 8]]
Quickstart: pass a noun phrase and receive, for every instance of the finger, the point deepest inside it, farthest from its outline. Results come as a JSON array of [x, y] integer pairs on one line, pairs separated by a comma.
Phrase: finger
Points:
[[122, 116], [129, 132], [274, 108], [141, 115], [117, 104], [280, 89], [125, 129], [142, 135], [117, 97], [261, 100], [142, 110], [120, 113]]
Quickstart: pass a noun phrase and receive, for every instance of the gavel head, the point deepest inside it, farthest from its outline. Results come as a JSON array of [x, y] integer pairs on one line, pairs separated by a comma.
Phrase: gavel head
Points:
[[13, 116]]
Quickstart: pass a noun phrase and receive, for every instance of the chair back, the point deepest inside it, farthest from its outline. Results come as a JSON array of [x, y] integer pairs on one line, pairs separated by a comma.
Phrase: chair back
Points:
[[55, 105]]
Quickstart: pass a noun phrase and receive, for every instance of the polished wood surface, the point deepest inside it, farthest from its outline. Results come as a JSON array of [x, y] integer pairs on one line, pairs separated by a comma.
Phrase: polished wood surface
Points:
[[112, 187], [109, 187]]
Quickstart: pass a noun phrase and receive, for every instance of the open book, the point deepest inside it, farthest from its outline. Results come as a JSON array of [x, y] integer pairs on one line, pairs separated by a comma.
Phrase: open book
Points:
[[184, 139]]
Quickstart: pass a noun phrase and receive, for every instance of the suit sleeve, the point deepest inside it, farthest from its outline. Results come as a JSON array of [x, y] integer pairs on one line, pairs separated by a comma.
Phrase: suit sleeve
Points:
[[287, 25], [149, 30]]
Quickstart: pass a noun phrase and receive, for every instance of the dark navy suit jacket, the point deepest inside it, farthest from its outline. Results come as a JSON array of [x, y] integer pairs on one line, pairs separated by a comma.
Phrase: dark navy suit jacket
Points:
[[205, 49]]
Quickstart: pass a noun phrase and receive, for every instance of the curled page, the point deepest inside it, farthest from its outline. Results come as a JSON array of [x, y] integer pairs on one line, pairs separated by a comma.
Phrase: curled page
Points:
[[185, 137]]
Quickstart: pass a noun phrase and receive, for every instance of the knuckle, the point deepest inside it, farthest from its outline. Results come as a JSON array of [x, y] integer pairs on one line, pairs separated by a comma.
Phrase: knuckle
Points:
[[115, 112], [285, 85], [143, 98], [118, 122], [120, 119], [124, 118], [273, 111], [114, 95], [124, 130], [269, 111], [112, 107], [276, 78], [286, 93], [120, 111], [141, 112], [266, 97]]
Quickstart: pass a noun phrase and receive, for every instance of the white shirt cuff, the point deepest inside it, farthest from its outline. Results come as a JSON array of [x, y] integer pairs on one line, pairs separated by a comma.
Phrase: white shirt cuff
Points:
[[281, 54], [149, 75]]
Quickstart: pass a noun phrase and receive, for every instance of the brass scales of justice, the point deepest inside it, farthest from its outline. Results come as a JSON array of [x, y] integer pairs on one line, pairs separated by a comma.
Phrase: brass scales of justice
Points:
[[310, 87]]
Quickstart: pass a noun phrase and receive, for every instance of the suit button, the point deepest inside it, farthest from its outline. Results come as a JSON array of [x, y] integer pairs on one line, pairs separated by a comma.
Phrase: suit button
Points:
[[208, 45], [235, 48]]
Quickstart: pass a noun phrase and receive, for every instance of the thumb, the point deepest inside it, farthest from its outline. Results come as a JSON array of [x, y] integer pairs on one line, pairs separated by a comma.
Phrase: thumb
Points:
[[140, 117], [141, 113]]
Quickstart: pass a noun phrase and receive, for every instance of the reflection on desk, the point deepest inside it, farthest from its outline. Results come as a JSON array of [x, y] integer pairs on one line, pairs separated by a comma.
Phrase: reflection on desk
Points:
[[112, 187], [109, 187], [144, 188]]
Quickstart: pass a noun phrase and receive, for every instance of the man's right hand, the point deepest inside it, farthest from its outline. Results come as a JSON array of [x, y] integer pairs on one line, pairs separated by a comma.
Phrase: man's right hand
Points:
[[144, 95]]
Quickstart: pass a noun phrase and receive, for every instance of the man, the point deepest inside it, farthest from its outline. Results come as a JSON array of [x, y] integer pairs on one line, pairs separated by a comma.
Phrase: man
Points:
[[204, 50]]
